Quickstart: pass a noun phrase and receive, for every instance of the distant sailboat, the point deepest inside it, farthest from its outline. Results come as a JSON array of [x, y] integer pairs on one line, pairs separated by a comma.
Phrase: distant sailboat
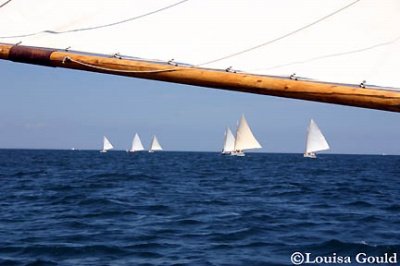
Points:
[[245, 139], [136, 144], [155, 145], [229, 143], [106, 145], [315, 141]]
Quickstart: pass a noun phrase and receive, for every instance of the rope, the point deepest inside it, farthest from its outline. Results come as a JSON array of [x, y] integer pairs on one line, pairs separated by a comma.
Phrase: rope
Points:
[[5, 3], [335, 54], [95, 27], [68, 59], [283, 36]]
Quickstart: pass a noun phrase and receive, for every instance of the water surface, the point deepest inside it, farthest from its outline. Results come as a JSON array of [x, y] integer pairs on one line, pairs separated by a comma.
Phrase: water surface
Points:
[[187, 208]]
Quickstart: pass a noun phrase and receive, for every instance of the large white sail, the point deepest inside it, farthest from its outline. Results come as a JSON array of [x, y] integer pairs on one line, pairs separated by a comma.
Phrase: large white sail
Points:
[[229, 142], [332, 40], [245, 139], [136, 144], [155, 145], [106, 145], [315, 139]]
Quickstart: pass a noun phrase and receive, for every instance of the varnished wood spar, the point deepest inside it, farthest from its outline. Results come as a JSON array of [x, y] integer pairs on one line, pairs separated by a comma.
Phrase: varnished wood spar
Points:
[[380, 99]]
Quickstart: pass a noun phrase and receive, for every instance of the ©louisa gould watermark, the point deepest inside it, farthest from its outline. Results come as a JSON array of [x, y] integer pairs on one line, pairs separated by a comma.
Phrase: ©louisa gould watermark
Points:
[[303, 258]]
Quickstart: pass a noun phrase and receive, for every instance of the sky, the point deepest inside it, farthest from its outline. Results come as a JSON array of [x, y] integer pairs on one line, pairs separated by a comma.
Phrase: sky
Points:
[[54, 108]]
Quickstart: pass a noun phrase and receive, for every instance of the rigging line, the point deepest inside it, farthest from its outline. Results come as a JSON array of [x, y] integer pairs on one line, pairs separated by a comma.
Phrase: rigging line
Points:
[[283, 36], [68, 59], [5, 3], [335, 55], [97, 27]]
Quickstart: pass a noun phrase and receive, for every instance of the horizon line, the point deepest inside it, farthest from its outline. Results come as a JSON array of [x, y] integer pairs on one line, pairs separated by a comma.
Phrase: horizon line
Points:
[[164, 151]]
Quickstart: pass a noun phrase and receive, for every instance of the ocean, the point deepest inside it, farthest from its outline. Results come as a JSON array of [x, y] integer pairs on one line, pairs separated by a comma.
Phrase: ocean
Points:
[[196, 208]]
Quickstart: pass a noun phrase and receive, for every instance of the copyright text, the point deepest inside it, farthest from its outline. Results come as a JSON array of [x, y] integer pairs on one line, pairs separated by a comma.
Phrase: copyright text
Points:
[[300, 258]]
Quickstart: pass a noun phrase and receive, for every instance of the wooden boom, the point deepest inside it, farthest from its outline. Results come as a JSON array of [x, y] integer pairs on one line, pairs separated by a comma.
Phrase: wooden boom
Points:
[[381, 99]]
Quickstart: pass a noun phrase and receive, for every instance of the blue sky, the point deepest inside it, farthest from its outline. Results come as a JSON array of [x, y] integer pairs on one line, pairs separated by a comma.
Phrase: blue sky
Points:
[[57, 108]]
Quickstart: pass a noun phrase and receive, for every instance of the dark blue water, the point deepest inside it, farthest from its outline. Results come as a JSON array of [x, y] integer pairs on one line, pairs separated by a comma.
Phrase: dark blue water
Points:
[[176, 208]]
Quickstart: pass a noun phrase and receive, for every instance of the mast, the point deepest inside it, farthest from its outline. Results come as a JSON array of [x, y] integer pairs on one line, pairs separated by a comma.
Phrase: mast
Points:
[[366, 97]]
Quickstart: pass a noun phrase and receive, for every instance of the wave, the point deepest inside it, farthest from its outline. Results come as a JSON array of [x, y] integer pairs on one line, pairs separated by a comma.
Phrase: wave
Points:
[[338, 246], [359, 204], [393, 208], [29, 173], [152, 245], [189, 222], [69, 250], [234, 235]]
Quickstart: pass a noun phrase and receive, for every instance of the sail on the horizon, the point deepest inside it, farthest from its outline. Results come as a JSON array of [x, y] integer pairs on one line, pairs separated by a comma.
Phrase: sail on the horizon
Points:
[[155, 145], [136, 144], [340, 41], [229, 142], [106, 145], [315, 140], [245, 139]]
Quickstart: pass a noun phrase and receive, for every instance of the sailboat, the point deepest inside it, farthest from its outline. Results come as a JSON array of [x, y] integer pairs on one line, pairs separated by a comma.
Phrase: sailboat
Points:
[[136, 144], [315, 141], [229, 143], [303, 49], [155, 145], [106, 145], [245, 139]]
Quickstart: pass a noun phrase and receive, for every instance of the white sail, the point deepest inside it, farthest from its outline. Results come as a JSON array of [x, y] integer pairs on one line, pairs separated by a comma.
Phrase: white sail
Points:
[[136, 144], [332, 40], [155, 145], [315, 139], [245, 139], [229, 142], [107, 144]]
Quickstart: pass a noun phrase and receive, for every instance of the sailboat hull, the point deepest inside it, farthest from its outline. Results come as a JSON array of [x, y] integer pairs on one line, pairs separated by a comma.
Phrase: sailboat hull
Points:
[[311, 155], [239, 153], [233, 153]]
